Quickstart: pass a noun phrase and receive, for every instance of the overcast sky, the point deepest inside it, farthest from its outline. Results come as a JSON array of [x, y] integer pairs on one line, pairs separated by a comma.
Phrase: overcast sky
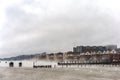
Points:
[[35, 26]]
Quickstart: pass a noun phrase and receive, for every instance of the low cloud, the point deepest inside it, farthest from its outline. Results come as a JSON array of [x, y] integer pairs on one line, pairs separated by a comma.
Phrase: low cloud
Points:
[[34, 26]]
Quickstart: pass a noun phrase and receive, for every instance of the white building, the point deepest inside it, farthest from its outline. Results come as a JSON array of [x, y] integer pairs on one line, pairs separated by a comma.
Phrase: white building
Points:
[[29, 64]]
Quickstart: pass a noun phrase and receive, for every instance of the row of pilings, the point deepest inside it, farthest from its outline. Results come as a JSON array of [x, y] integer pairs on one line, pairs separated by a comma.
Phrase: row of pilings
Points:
[[88, 64]]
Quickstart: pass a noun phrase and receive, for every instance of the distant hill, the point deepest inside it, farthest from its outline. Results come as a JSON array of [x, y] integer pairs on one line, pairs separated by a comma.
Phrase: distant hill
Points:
[[20, 57]]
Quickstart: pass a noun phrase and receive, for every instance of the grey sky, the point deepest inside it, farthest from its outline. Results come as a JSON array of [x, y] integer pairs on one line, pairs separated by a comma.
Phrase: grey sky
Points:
[[33, 26]]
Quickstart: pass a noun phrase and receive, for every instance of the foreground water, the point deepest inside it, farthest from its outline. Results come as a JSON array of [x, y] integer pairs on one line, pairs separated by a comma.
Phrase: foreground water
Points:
[[83, 73]]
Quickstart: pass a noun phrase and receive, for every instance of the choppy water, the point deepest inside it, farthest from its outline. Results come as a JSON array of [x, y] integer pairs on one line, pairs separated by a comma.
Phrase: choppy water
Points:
[[93, 73]]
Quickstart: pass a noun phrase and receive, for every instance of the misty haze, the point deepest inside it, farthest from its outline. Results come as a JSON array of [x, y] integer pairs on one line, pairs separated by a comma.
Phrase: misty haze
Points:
[[59, 39]]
